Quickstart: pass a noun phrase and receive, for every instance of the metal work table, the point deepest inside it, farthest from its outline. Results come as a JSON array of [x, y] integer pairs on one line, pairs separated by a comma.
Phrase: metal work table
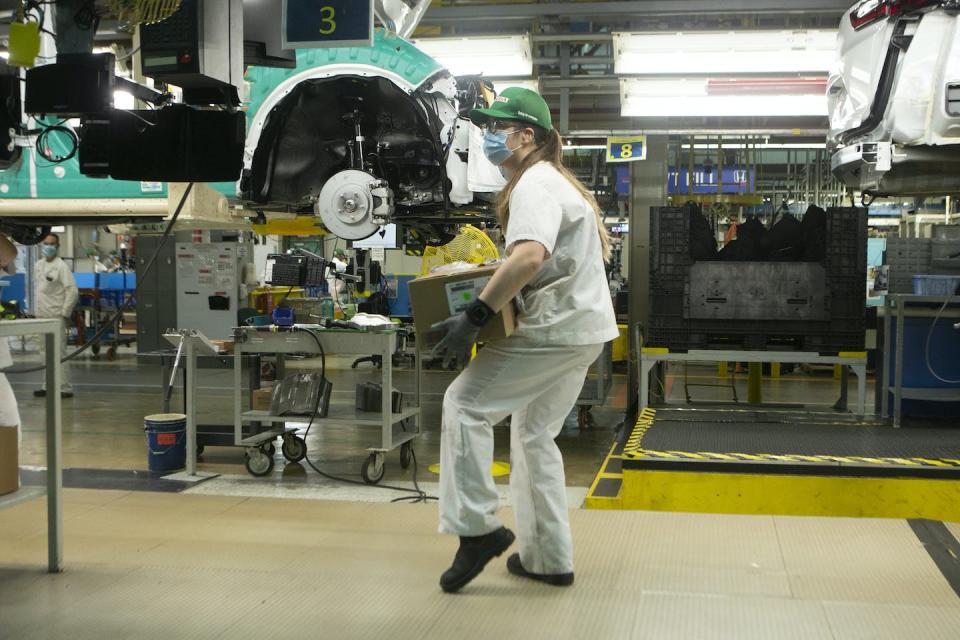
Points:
[[266, 340], [896, 308], [650, 357], [50, 330]]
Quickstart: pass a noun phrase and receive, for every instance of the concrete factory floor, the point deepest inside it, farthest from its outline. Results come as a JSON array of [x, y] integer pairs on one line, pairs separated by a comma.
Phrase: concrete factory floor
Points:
[[103, 422], [294, 555], [143, 565]]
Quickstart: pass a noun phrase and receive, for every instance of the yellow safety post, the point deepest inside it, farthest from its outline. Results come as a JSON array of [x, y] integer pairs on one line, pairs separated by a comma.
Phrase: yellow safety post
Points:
[[774, 369], [755, 383], [722, 370], [837, 370]]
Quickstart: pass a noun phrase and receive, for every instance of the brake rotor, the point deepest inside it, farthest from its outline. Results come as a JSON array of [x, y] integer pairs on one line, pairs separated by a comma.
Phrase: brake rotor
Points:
[[346, 205]]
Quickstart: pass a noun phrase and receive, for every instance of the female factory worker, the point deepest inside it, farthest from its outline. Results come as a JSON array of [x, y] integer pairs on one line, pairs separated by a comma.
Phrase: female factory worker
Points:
[[556, 247], [9, 417]]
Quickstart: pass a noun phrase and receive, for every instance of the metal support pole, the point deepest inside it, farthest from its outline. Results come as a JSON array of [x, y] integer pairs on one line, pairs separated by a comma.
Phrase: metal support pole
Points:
[[719, 166], [191, 372], [54, 458]]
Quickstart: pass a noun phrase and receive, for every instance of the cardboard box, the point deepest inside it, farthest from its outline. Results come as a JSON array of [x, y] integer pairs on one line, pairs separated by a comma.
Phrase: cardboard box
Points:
[[437, 296], [262, 398], [223, 346], [9, 461]]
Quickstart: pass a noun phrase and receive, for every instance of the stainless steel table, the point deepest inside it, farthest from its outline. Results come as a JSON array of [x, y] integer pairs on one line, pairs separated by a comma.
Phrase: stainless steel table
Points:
[[51, 331]]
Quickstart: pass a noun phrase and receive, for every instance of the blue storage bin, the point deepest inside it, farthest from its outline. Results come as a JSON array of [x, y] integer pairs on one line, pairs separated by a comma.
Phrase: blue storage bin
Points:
[[935, 285]]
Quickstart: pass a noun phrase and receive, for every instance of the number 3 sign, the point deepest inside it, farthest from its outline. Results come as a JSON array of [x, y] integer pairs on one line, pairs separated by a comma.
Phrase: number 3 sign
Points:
[[327, 23], [626, 148]]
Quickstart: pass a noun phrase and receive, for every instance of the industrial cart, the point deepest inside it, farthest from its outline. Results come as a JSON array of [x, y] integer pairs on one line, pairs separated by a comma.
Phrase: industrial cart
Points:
[[302, 339]]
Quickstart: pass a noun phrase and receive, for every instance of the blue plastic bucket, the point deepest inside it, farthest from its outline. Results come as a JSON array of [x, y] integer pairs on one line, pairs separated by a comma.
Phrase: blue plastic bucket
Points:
[[166, 435]]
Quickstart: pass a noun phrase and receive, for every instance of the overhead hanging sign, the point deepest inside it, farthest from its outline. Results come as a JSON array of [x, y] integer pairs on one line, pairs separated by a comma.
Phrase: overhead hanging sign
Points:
[[626, 148], [327, 23]]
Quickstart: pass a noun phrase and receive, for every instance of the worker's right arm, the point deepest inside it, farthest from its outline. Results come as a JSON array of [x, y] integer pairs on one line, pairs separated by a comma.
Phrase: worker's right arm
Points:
[[8, 251]]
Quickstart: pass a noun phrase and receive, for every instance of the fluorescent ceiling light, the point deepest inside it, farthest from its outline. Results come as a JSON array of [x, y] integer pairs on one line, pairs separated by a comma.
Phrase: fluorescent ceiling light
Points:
[[584, 147], [728, 52], [495, 56], [720, 98], [526, 83]]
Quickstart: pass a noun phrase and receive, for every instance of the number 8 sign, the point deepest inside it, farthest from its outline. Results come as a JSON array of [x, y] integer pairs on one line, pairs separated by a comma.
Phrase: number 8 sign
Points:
[[626, 148]]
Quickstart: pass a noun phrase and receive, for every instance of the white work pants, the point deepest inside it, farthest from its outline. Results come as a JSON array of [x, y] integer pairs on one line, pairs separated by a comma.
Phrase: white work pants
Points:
[[538, 386]]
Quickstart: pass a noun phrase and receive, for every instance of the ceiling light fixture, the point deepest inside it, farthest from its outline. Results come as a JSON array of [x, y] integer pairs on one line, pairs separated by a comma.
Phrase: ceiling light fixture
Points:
[[493, 57], [704, 97], [727, 52]]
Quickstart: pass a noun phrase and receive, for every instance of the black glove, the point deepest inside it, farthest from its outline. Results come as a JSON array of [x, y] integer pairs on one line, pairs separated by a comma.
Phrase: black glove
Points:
[[460, 334]]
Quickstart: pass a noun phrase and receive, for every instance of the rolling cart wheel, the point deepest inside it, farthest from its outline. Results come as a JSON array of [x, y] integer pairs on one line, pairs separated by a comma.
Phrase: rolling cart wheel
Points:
[[112, 354], [294, 448], [373, 468], [259, 463], [406, 449], [270, 449], [95, 348], [200, 449]]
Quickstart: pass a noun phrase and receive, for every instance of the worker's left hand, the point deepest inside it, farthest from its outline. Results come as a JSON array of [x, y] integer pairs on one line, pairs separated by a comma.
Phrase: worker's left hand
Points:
[[457, 343]]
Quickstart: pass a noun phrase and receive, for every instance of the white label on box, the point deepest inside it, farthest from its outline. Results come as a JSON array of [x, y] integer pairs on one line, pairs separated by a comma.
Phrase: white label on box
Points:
[[461, 294]]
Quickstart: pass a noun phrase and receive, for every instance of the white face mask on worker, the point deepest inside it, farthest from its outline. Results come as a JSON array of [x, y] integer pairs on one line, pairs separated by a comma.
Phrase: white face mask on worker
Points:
[[49, 250]]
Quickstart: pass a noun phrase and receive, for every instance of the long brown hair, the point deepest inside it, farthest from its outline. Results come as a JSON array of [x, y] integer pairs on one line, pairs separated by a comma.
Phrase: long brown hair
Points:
[[549, 148]]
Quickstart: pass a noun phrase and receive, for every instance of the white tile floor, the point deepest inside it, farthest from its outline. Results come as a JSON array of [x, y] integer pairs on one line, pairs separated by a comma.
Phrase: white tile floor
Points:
[[148, 565]]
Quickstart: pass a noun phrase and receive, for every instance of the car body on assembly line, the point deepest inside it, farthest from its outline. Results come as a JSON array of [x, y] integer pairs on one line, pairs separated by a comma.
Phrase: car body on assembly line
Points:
[[894, 98]]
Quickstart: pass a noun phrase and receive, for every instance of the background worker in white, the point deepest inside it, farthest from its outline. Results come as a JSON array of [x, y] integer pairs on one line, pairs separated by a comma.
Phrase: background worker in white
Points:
[[9, 416], [56, 296], [334, 285], [556, 246]]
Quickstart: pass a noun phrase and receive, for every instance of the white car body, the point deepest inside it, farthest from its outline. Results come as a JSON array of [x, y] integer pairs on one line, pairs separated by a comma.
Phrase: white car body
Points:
[[897, 132]]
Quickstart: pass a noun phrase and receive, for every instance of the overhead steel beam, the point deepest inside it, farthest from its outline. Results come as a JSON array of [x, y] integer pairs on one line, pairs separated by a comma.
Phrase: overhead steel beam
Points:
[[531, 11]]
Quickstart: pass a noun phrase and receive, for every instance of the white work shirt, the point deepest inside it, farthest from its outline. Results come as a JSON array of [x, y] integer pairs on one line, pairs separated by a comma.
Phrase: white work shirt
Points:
[[568, 301], [56, 289]]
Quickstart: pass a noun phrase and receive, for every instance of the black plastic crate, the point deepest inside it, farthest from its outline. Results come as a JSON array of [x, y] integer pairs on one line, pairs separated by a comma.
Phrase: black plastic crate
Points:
[[845, 264]]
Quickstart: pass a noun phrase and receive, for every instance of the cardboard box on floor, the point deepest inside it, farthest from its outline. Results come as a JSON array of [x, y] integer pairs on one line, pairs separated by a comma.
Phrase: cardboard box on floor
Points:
[[9, 460], [437, 296]]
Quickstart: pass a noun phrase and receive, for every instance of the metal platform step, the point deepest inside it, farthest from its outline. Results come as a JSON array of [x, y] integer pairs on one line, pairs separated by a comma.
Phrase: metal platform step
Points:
[[782, 462]]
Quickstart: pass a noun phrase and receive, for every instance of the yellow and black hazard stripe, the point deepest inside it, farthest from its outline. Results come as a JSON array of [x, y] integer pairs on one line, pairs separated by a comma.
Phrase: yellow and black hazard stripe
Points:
[[641, 454], [635, 442], [634, 450]]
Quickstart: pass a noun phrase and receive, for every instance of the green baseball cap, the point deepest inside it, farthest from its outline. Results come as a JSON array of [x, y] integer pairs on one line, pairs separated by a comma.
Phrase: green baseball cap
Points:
[[515, 103]]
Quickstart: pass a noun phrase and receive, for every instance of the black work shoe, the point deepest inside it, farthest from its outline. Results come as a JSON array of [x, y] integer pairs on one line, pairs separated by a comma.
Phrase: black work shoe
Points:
[[472, 556], [556, 579], [40, 393], [66, 394]]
